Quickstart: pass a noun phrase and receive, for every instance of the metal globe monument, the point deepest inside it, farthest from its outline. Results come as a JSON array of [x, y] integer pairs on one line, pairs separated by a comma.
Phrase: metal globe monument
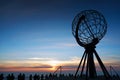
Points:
[[91, 24], [88, 28]]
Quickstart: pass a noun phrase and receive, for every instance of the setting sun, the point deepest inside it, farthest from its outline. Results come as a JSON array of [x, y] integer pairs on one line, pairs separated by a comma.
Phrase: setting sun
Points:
[[54, 63]]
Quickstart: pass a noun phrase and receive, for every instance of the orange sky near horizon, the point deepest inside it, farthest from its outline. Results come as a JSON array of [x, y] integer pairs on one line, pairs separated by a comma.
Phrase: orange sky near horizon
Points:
[[47, 65]]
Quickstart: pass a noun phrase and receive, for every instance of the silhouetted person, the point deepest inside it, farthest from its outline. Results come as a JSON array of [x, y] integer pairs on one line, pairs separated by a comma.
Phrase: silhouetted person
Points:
[[1, 77], [30, 77], [38, 77], [42, 77], [35, 77], [50, 76], [10, 77], [46, 77], [23, 77], [20, 76]]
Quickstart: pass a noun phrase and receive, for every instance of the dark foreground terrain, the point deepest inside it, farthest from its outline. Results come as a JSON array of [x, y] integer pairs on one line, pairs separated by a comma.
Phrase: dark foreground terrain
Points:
[[22, 76]]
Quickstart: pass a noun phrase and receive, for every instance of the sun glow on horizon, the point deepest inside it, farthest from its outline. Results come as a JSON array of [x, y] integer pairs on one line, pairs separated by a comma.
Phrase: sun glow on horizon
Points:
[[44, 65], [54, 64]]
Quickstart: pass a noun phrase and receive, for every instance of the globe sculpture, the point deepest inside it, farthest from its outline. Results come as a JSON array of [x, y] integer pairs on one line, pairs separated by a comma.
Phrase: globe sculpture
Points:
[[88, 28]]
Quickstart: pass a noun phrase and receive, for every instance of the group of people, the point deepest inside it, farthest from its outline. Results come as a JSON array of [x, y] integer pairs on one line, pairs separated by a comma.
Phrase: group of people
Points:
[[50, 76], [35, 77], [10, 77]]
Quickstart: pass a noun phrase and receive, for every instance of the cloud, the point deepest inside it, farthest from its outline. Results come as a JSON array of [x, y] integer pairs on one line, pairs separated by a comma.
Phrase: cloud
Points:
[[46, 64], [53, 46], [75, 58], [34, 62], [39, 58], [43, 66], [68, 44]]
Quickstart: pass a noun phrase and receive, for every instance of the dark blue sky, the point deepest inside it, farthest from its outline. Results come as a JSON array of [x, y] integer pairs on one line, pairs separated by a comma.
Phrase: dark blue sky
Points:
[[42, 29]]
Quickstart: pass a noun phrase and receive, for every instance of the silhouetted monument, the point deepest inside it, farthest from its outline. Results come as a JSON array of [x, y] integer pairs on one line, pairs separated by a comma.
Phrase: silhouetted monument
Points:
[[58, 69], [88, 28]]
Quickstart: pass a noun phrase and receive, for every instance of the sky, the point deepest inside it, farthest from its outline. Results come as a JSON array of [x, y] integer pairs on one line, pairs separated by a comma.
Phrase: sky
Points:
[[36, 35]]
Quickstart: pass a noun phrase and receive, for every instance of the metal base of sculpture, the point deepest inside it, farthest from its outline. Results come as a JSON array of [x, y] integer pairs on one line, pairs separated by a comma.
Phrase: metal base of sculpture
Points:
[[88, 60]]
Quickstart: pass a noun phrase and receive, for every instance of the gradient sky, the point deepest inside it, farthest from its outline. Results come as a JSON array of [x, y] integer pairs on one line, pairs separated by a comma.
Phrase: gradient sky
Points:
[[36, 34]]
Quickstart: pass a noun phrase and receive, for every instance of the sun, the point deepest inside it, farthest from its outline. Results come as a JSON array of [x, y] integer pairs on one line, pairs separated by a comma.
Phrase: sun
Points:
[[54, 64]]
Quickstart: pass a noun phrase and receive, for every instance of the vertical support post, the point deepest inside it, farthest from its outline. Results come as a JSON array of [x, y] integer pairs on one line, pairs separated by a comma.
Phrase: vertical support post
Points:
[[60, 69], [79, 64], [83, 65], [91, 64], [87, 68], [106, 74]]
